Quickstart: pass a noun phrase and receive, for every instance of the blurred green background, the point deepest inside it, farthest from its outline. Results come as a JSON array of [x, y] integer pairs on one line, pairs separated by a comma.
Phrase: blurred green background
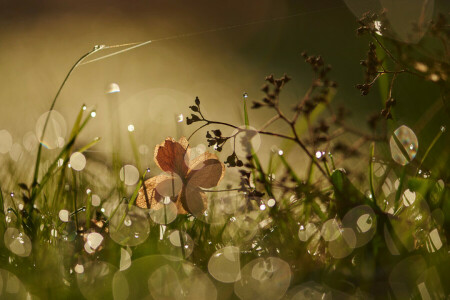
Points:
[[40, 41]]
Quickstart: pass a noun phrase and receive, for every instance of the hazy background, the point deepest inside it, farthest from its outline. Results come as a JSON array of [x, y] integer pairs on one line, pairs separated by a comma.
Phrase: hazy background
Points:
[[39, 42]]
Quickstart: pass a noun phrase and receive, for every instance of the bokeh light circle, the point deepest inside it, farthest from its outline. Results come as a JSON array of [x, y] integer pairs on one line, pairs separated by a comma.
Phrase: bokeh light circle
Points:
[[55, 132], [407, 141], [77, 161], [129, 226], [224, 264], [129, 174], [263, 278], [17, 242]]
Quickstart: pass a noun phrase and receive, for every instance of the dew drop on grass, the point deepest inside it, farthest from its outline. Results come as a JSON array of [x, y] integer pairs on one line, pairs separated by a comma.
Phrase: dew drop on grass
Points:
[[224, 264], [127, 221], [408, 143], [129, 174], [77, 161], [179, 118], [112, 88]]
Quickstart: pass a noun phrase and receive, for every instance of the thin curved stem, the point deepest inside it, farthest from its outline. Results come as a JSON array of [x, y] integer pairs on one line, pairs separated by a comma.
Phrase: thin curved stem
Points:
[[38, 158]]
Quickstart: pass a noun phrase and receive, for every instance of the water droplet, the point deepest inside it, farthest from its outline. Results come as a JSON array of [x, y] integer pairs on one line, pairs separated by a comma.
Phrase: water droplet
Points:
[[112, 88], [408, 141], [443, 128], [378, 28], [84, 107], [245, 95], [60, 162], [93, 114], [271, 202], [318, 154], [262, 207], [98, 47], [180, 118], [131, 128], [127, 221], [280, 152]]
